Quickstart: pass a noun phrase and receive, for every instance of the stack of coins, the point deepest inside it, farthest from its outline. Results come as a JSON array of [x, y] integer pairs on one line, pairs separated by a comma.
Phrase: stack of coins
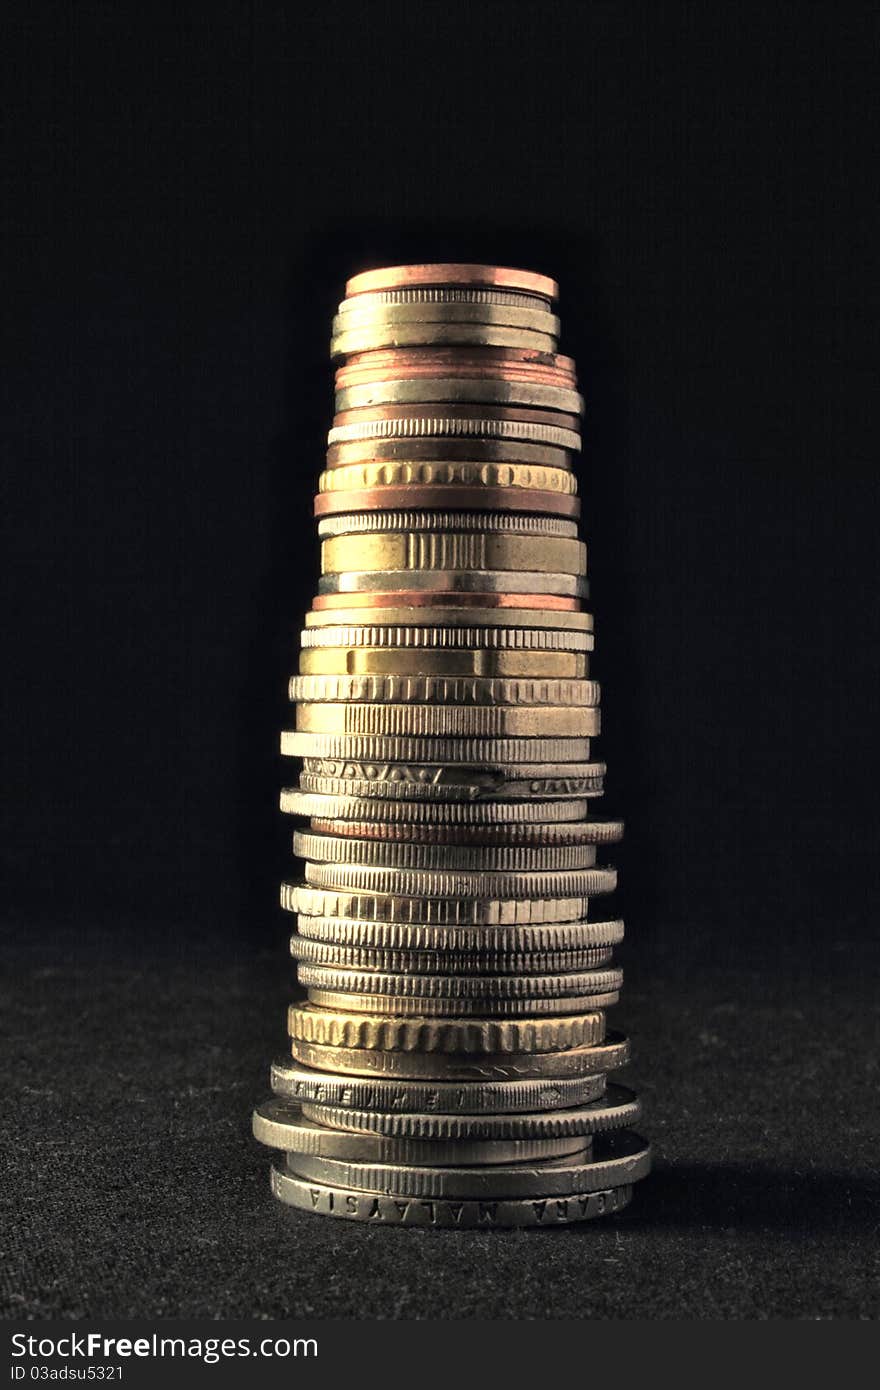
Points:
[[450, 1064]]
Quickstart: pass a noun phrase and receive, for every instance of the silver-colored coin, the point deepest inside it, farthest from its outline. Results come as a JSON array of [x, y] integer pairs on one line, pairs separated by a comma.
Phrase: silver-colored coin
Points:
[[460, 1068], [448, 721], [400, 907], [504, 939], [391, 1096], [618, 1109], [486, 786], [297, 802], [459, 615], [489, 990], [529, 884], [510, 858], [441, 294], [449, 962], [453, 581], [352, 1204], [470, 752], [280, 1124], [369, 523], [437, 426], [516, 639], [628, 1159], [402, 1007], [459, 390]]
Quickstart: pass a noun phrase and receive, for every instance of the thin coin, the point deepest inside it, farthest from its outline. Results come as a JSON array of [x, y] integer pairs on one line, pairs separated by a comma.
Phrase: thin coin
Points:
[[406, 784], [457, 427], [474, 495], [450, 1069], [425, 662], [483, 391], [619, 1157], [387, 1005], [499, 636], [344, 1028], [433, 472], [448, 610], [476, 752], [618, 1109], [488, 989], [535, 836], [444, 962], [393, 363], [473, 581], [329, 901], [414, 334], [343, 849], [416, 416], [297, 802], [376, 321], [439, 690], [453, 550], [476, 450], [280, 1124], [447, 273], [442, 294], [501, 523], [504, 939], [392, 1095], [449, 721]]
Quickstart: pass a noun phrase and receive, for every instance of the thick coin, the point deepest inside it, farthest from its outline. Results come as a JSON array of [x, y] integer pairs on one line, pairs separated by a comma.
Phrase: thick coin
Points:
[[296, 802], [455, 389], [437, 785], [500, 637], [389, 1095], [496, 523], [440, 690], [448, 721], [488, 989], [449, 962], [353, 1205], [449, 273], [353, 477], [280, 1124], [525, 836], [477, 451], [621, 1157], [344, 1028], [476, 496], [400, 1006], [416, 334], [400, 907], [450, 581], [457, 936], [408, 855], [390, 661], [495, 364], [474, 752], [488, 884], [451, 1069], [363, 316], [454, 550], [617, 1110]]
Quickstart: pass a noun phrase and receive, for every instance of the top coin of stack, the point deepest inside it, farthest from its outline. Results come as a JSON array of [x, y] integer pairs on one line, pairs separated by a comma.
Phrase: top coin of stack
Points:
[[457, 981]]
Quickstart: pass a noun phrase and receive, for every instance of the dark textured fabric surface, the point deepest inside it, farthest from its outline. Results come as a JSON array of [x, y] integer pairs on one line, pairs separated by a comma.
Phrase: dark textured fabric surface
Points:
[[132, 1186]]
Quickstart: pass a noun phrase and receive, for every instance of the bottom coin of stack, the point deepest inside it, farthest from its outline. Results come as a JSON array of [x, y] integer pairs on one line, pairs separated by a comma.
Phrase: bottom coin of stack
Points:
[[450, 1064]]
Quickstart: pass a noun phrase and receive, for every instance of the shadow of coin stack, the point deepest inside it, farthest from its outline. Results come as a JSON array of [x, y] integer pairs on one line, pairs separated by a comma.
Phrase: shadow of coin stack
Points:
[[450, 1065]]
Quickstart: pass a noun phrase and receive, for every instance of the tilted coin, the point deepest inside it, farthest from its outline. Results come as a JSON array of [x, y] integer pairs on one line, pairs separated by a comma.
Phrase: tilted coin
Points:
[[492, 988], [453, 550], [474, 637], [444, 690], [402, 1006], [462, 1068], [474, 752], [296, 802], [460, 936], [281, 1125], [341, 1028], [617, 1110], [473, 495], [485, 884], [448, 721], [526, 836], [511, 858], [425, 661], [448, 273], [354, 1205], [400, 907], [448, 962], [415, 334], [500, 476], [495, 523], [458, 389], [389, 1095], [620, 1157]]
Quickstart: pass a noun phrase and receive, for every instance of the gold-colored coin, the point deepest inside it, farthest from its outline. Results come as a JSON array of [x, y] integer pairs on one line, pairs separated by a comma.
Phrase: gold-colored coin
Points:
[[458, 389], [499, 638], [449, 721], [453, 581], [374, 611], [494, 523], [439, 690], [361, 476], [453, 550], [427, 334], [473, 752], [308, 900], [339, 1028], [367, 317], [394, 661], [456, 427], [442, 294], [477, 453]]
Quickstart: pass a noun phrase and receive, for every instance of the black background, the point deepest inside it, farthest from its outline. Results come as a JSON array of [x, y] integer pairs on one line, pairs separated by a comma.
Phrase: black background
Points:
[[190, 186]]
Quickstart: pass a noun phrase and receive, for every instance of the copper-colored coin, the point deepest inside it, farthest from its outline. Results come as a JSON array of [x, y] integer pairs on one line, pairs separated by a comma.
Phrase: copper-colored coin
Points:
[[388, 362], [449, 450], [451, 273], [449, 600], [454, 411], [467, 497]]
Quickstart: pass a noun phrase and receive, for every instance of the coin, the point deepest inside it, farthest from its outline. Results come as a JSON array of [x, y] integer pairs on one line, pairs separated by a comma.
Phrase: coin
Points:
[[455, 389], [476, 496], [390, 1095], [498, 523], [296, 802], [617, 1110], [499, 637], [526, 836], [477, 450], [414, 334], [438, 784], [455, 550], [281, 1124], [442, 294], [408, 855], [486, 884], [475, 752], [448, 961], [455, 610], [448, 721], [353, 1205], [448, 581], [620, 1157], [403, 1007], [348, 477], [363, 315], [441, 690], [417, 420], [496, 988], [401, 907], [341, 1028], [382, 661], [447, 273], [483, 1069], [457, 427], [454, 936]]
